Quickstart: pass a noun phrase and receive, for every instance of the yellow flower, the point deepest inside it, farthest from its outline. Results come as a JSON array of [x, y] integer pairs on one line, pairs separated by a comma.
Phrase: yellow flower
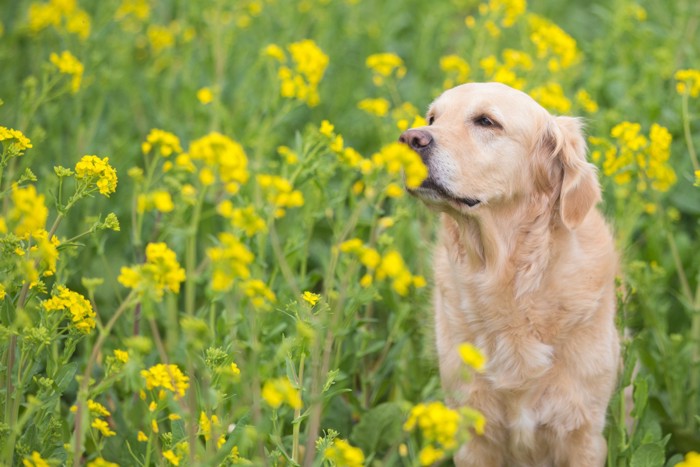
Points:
[[280, 390], [121, 355], [378, 107], [167, 142], [205, 96], [92, 169], [230, 261], [472, 356], [311, 298], [167, 377], [437, 423], [430, 455], [243, 218], [274, 51], [385, 65], [396, 157], [81, 312], [35, 460], [300, 80], [103, 427], [552, 43], [259, 294], [551, 96], [692, 459], [342, 454], [161, 271], [279, 193], [14, 141], [456, 68], [688, 82], [141, 436], [222, 156], [68, 64], [394, 191], [326, 129], [586, 102], [290, 156], [160, 37], [171, 457], [2, 292], [159, 200], [138, 8], [28, 212], [234, 369], [697, 178], [100, 462], [97, 409]]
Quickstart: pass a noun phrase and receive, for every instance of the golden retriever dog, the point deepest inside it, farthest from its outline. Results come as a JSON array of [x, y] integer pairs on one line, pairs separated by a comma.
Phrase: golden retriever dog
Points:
[[524, 268]]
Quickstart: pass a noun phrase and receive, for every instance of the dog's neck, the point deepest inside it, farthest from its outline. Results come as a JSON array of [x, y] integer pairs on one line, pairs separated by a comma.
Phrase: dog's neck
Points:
[[510, 241]]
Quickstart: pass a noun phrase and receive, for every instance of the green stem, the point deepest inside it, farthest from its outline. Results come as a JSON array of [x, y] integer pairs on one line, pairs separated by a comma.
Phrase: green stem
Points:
[[191, 255], [688, 135], [85, 382], [297, 413]]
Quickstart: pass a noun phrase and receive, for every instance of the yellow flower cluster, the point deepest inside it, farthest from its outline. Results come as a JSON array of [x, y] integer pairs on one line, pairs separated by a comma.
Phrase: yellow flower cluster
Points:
[[510, 10], [692, 459], [259, 294], [506, 70], [389, 266], [245, 218], [167, 377], [378, 107], [439, 426], [688, 82], [311, 298], [68, 64], [43, 253], [456, 69], [280, 193], [138, 8], [59, 14], [551, 96], [206, 424], [159, 200], [406, 116], [166, 142], [161, 271], [222, 156], [635, 155], [384, 65], [586, 101], [103, 427], [14, 142], [230, 260], [300, 79], [347, 155], [472, 356], [81, 312], [35, 460], [396, 157], [553, 44], [205, 96], [100, 462], [277, 391], [28, 212], [92, 169], [343, 454]]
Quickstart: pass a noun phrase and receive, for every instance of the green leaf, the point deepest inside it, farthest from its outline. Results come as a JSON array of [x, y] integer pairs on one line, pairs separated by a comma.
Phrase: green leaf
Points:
[[65, 375], [379, 428], [648, 455], [641, 395]]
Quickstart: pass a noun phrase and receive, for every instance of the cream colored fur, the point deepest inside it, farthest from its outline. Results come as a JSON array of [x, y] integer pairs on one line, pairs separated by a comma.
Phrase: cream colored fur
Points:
[[527, 275]]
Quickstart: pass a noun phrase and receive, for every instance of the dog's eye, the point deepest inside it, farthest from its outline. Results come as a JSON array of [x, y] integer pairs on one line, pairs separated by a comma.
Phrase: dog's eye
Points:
[[484, 121], [431, 119]]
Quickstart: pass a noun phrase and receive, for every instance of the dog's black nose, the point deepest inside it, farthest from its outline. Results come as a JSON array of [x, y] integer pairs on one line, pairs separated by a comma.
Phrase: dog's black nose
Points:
[[416, 139]]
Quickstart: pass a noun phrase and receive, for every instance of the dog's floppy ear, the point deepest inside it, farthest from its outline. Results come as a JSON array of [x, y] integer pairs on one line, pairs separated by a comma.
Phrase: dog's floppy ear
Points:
[[580, 190]]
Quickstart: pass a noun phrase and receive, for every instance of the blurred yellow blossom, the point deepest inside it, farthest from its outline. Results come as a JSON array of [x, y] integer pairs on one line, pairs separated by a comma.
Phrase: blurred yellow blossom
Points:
[[551, 97], [35, 460], [343, 454], [161, 271], [230, 261], [586, 101], [472, 356], [121, 355], [438, 424], [688, 82], [171, 457], [68, 64], [384, 65], [100, 462], [206, 424], [259, 294], [205, 96], [159, 200], [167, 377], [279, 193], [553, 44], [223, 156], [456, 69], [81, 313], [378, 107], [692, 459], [14, 142], [166, 142], [103, 427], [61, 15], [277, 391], [300, 78], [396, 157], [28, 213]]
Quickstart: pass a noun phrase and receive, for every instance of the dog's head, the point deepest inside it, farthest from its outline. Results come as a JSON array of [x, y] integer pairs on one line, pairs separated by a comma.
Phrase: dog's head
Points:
[[487, 144]]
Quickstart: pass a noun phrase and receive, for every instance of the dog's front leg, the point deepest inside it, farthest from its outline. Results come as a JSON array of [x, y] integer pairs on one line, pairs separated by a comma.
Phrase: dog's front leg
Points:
[[479, 452], [583, 447]]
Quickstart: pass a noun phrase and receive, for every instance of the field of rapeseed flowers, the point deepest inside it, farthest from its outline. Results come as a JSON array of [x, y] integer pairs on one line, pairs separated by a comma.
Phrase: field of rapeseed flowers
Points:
[[207, 256]]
